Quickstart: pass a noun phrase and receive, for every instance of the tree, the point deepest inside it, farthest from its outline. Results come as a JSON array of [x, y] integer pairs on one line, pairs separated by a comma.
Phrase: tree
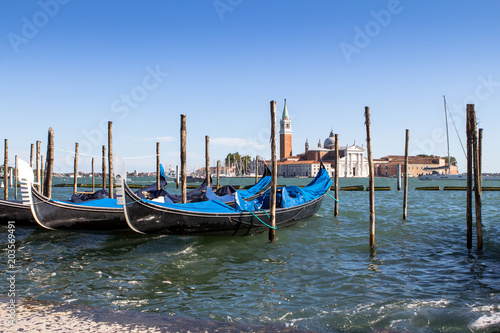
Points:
[[452, 159], [246, 161]]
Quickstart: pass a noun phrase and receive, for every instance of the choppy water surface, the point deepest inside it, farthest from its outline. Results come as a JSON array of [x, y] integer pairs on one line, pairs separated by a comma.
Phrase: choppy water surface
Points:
[[319, 274]]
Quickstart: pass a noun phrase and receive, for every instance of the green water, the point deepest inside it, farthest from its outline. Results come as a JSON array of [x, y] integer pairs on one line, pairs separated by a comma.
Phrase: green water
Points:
[[318, 275]]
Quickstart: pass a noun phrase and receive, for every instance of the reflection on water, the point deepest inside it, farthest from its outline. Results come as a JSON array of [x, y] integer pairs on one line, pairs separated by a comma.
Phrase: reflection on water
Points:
[[318, 275]]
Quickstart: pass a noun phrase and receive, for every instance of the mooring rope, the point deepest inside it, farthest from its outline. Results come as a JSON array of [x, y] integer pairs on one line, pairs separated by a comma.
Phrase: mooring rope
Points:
[[267, 225], [328, 192]]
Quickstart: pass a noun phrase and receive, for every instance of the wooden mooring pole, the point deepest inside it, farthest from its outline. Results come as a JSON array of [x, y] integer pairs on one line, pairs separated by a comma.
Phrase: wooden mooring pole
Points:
[[274, 174], [32, 155], [469, 178], [42, 174], [158, 166], [480, 148], [49, 169], [371, 178], [256, 169], [111, 179], [405, 189], [6, 171], [183, 159], [93, 176], [218, 173], [38, 166], [177, 175], [16, 177], [398, 177], [207, 159], [336, 175], [75, 170], [477, 178], [104, 167]]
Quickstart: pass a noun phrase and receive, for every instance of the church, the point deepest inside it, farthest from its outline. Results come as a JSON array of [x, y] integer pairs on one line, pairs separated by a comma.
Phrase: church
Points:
[[352, 162]]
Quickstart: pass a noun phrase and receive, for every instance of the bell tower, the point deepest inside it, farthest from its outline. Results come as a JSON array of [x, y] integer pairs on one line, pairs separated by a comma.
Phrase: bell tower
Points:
[[285, 134]]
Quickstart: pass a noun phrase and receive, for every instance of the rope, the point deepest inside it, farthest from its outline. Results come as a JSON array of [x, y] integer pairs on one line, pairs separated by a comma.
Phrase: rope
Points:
[[328, 192], [79, 154], [453, 121], [138, 157], [267, 225], [100, 156]]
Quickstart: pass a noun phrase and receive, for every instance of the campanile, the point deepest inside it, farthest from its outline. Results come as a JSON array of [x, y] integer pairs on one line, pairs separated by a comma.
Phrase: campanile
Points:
[[285, 134]]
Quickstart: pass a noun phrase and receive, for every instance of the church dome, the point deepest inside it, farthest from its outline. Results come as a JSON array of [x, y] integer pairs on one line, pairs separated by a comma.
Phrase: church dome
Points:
[[330, 141]]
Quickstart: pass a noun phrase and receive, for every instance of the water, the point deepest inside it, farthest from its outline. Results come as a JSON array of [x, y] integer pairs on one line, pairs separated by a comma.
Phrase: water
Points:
[[319, 274]]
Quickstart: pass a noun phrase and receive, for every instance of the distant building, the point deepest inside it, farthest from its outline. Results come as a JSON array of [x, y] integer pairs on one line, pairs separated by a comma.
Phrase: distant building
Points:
[[387, 166], [352, 162], [285, 135]]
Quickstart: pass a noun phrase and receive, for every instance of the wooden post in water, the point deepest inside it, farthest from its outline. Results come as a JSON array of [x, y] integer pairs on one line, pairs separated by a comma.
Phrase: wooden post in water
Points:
[[398, 176], [207, 160], [405, 190], [274, 174], [183, 158], [480, 152], [38, 166], [42, 177], [104, 167], [371, 178], [93, 176], [75, 170], [11, 178], [477, 180], [256, 169], [6, 171], [16, 176], [111, 180], [469, 178], [177, 175], [336, 175], [47, 187], [218, 173], [158, 166], [32, 155]]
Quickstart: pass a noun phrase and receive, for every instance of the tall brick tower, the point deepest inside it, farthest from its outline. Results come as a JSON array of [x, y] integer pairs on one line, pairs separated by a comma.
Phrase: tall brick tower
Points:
[[285, 134]]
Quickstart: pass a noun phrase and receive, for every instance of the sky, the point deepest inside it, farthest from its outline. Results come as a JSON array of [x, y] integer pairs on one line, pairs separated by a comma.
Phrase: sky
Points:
[[75, 65]]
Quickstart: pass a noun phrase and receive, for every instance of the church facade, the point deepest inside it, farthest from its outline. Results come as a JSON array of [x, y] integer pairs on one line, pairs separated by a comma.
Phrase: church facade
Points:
[[352, 160]]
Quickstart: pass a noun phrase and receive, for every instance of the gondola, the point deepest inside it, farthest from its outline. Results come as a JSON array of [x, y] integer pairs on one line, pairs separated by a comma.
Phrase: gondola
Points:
[[214, 218], [103, 214], [93, 215]]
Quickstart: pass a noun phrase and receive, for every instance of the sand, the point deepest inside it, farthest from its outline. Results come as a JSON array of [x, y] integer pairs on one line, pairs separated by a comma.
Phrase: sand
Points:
[[46, 316]]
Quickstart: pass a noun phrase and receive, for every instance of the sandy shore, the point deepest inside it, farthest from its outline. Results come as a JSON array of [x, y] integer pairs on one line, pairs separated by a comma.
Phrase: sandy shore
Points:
[[45, 316]]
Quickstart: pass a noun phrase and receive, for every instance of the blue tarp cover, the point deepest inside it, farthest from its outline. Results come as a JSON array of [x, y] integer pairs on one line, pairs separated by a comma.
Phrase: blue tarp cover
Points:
[[104, 203], [290, 196], [251, 205], [214, 206], [262, 183]]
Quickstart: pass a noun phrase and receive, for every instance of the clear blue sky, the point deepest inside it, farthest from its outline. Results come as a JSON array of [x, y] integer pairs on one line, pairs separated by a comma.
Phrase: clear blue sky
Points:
[[74, 65]]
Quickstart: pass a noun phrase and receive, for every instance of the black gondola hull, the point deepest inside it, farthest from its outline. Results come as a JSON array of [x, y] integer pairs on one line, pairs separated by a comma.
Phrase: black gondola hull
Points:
[[60, 215], [145, 217]]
